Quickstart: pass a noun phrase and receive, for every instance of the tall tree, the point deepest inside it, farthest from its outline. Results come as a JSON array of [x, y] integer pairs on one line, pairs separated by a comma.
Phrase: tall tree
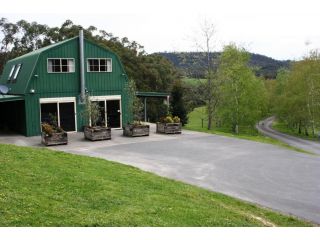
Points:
[[243, 95], [298, 94], [177, 105], [212, 95]]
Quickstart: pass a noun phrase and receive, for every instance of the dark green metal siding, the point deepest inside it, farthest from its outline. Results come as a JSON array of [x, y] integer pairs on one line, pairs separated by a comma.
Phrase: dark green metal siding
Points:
[[103, 81], [56, 85]]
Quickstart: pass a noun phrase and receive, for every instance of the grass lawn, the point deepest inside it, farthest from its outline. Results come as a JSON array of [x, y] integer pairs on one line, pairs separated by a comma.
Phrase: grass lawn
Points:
[[195, 123], [41, 187], [193, 81], [282, 127]]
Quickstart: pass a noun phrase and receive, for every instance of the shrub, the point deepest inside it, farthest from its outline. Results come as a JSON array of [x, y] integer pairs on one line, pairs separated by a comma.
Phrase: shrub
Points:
[[167, 119], [176, 119], [47, 129]]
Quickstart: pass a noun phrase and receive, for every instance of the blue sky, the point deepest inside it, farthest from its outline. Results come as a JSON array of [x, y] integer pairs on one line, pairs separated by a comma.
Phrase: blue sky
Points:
[[279, 29]]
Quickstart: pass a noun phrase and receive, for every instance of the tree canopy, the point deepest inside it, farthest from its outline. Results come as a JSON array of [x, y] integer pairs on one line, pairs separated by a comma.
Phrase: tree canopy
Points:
[[243, 95], [297, 94]]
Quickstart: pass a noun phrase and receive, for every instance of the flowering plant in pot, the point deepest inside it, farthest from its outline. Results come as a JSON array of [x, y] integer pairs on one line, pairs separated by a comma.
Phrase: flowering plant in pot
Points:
[[169, 124], [92, 114], [52, 134], [135, 128]]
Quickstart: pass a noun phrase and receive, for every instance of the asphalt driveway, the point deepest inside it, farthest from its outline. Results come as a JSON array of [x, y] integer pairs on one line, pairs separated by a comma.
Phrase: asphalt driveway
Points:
[[269, 175], [265, 127]]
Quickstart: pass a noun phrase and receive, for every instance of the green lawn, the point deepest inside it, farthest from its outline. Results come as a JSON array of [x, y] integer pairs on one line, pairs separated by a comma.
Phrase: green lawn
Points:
[[195, 123], [41, 187], [283, 127], [193, 81]]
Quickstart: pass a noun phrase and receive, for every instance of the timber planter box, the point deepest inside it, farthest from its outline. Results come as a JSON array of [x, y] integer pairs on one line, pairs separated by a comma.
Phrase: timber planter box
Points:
[[132, 130], [169, 128], [57, 138], [97, 133]]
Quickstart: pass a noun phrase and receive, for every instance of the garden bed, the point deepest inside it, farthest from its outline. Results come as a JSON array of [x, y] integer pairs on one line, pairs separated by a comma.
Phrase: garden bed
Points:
[[169, 128], [97, 133], [132, 130], [58, 138]]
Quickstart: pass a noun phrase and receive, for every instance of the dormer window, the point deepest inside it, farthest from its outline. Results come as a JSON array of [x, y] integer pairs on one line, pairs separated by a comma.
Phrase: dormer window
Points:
[[11, 72], [14, 72], [99, 65], [60, 65]]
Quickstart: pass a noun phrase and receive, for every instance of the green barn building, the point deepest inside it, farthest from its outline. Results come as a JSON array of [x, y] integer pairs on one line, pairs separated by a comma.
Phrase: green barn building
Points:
[[54, 80]]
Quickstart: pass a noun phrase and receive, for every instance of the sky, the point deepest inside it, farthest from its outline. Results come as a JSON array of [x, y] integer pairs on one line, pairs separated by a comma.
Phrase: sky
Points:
[[276, 28]]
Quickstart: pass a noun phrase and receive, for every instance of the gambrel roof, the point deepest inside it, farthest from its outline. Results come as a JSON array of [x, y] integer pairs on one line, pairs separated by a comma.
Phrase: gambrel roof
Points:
[[28, 63]]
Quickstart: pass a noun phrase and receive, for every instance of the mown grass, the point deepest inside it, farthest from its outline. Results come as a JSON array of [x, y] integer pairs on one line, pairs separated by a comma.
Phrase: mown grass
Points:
[[40, 187], [283, 127], [198, 122]]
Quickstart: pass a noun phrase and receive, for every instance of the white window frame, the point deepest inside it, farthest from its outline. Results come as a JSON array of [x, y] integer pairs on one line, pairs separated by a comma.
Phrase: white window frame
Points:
[[107, 59], [58, 101], [74, 64], [11, 72], [105, 99], [16, 71]]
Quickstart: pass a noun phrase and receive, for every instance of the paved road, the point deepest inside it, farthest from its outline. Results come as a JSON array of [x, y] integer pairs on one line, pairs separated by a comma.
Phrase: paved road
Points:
[[265, 128], [269, 175]]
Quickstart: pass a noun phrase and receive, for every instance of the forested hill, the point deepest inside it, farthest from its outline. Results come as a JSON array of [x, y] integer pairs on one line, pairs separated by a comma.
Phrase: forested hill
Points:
[[191, 63]]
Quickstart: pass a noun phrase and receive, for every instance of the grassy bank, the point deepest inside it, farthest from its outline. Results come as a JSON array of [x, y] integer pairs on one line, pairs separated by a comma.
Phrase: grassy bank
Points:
[[40, 187], [198, 122]]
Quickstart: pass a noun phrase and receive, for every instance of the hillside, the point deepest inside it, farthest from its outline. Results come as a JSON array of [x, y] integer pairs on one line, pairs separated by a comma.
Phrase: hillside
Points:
[[191, 63], [40, 187]]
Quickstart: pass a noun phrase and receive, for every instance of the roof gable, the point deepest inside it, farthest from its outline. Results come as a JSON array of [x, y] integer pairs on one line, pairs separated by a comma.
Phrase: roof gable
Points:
[[28, 63]]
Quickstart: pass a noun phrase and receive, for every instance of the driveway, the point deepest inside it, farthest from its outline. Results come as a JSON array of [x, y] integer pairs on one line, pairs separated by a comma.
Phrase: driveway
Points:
[[269, 175], [265, 128]]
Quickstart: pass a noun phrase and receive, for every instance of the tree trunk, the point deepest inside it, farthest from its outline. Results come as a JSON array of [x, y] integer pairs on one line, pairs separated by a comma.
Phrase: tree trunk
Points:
[[299, 127]]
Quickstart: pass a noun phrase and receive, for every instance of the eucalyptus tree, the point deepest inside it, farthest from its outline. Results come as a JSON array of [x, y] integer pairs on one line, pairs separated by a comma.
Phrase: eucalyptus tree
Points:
[[243, 95], [299, 99]]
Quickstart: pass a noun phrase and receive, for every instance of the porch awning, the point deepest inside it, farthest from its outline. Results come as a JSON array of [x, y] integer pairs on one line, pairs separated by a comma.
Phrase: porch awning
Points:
[[152, 94], [10, 98]]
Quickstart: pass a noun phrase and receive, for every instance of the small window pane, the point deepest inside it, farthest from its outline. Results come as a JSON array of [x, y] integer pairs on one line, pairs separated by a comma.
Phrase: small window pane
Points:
[[95, 62], [16, 72], [103, 61], [11, 72], [56, 62], [109, 65], [50, 65], [103, 68], [64, 62], [95, 68], [93, 65], [71, 65], [91, 68], [64, 68], [56, 68]]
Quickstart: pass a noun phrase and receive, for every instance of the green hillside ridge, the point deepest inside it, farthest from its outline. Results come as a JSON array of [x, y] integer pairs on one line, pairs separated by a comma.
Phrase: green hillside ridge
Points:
[[192, 64]]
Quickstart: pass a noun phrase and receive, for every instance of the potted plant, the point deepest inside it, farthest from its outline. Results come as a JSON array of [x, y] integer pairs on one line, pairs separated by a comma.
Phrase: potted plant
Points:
[[169, 125], [52, 134], [135, 128], [92, 114]]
